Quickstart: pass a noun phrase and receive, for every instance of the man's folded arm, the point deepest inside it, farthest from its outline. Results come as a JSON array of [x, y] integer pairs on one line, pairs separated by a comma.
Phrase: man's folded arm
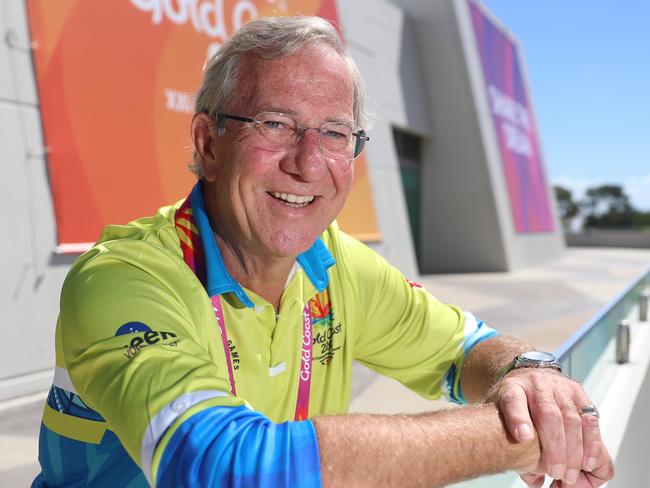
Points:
[[432, 449], [237, 447], [134, 355], [234, 446]]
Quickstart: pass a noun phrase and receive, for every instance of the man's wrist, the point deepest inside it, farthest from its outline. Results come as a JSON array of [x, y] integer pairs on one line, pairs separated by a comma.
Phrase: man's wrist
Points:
[[530, 360]]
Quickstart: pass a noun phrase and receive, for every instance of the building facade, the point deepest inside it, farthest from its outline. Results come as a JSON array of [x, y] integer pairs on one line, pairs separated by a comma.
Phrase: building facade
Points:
[[455, 169]]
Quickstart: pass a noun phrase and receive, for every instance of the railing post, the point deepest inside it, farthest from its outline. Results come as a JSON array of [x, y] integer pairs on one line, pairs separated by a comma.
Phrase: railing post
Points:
[[643, 306], [623, 342]]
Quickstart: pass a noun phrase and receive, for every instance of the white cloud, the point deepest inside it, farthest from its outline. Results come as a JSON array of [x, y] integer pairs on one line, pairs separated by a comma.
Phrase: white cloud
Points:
[[638, 189], [578, 186]]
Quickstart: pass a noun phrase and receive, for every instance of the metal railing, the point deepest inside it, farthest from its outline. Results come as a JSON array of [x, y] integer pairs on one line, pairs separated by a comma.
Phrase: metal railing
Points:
[[580, 353], [583, 349]]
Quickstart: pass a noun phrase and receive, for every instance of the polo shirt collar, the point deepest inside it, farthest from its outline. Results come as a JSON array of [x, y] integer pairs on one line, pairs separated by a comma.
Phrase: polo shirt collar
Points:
[[315, 261]]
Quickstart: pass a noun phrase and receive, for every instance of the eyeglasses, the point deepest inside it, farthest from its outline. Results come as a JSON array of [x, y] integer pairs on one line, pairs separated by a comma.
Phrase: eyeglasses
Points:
[[337, 139]]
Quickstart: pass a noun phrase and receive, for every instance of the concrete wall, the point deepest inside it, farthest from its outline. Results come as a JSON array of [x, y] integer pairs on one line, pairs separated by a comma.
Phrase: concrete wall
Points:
[[381, 42], [609, 238], [460, 226], [31, 275], [422, 75], [467, 223]]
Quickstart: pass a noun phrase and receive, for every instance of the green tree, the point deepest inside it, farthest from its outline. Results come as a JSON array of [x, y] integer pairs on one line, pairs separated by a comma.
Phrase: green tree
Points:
[[567, 206], [608, 206]]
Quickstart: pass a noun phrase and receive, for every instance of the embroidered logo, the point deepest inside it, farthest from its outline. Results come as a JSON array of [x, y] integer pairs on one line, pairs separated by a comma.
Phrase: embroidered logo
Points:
[[145, 337], [321, 309], [325, 328]]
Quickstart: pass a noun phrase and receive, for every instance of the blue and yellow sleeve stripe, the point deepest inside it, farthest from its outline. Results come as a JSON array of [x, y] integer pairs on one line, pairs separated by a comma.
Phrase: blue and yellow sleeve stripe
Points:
[[475, 332]]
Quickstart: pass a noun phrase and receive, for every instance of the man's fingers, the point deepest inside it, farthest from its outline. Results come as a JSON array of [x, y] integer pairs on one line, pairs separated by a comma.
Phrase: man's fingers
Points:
[[592, 444], [597, 463], [574, 443], [549, 424], [602, 474], [582, 482], [572, 450], [513, 404], [533, 480]]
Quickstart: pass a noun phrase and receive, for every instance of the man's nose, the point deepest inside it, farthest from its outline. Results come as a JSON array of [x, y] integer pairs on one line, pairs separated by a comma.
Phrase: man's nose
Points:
[[306, 160]]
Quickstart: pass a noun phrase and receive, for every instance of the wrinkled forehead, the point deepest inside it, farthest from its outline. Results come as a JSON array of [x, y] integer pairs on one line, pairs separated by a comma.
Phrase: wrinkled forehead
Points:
[[313, 75]]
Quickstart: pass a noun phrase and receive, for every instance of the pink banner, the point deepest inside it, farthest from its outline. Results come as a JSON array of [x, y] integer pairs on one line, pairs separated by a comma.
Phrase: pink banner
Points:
[[514, 126]]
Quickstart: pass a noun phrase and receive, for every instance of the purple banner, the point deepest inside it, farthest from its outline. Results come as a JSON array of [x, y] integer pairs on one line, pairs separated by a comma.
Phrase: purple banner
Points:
[[514, 126]]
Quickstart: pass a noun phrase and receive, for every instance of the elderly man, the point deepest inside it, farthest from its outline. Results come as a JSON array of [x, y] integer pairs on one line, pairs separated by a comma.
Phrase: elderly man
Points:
[[212, 344]]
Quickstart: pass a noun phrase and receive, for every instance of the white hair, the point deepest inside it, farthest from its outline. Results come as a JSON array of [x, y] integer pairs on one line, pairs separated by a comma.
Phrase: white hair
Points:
[[269, 38]]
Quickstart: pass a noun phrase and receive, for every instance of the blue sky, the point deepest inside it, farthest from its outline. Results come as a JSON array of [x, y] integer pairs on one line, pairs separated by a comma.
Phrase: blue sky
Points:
[[588, 66]]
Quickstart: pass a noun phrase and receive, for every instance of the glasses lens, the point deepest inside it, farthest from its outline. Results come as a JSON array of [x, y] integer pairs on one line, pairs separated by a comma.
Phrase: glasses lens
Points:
[[337, 140], [278, 129], [359, 143]]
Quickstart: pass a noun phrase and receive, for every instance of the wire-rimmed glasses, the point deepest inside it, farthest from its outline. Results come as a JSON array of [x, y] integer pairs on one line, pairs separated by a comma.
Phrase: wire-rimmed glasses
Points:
[[338, 140]]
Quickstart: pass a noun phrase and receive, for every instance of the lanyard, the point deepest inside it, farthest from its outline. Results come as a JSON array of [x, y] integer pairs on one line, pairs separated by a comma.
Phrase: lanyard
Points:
[[304, 380], [192, 254]]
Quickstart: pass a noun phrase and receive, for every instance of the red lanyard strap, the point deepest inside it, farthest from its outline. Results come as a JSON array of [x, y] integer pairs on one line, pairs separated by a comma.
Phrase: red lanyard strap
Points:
[[304, 379], [304, 382], [193, 256], [221, 323]]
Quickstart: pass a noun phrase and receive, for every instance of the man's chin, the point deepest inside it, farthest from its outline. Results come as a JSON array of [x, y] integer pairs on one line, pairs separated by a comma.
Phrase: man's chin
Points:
[[292, 244]]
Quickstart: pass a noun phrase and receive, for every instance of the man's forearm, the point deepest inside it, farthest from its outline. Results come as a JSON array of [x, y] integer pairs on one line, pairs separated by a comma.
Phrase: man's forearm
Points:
[[432, 449], [485, 361]]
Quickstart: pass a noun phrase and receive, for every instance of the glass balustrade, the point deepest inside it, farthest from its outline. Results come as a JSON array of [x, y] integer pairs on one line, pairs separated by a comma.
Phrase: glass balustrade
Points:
[[579, 354]]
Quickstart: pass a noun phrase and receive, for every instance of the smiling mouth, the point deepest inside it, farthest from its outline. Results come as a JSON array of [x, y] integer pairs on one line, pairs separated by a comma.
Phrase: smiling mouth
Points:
[[291, 200]]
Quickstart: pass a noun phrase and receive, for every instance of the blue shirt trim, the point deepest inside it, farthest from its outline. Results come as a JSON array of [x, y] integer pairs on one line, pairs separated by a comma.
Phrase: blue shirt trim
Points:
[[315, 261], [236, 447], [481, 333]]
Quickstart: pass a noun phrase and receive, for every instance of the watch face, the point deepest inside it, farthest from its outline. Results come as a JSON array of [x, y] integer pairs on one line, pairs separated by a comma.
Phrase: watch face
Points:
[[538, 356]]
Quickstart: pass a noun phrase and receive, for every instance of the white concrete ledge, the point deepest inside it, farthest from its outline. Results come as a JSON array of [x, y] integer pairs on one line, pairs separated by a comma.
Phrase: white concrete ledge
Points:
[[623, 395]]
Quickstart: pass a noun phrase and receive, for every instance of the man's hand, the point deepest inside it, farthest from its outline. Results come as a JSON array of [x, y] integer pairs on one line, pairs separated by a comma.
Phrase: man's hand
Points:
[[573, 452]]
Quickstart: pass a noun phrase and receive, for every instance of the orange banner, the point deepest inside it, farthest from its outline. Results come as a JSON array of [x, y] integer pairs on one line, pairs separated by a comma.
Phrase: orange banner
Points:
[[116, 82]]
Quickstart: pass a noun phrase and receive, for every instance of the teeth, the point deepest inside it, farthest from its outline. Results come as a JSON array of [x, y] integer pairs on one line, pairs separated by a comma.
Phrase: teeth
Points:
[[291, 198]]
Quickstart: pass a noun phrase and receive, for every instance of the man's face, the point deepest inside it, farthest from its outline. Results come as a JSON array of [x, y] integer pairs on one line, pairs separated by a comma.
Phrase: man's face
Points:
[[249, 192]]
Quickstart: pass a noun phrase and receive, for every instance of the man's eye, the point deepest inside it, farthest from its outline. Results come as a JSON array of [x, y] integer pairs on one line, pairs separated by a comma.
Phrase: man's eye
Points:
[[274, 125], [335, 135]]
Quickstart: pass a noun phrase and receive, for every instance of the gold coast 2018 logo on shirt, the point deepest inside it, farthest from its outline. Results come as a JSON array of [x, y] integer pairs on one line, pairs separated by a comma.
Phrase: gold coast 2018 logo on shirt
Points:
[[145, 337], [325, 328]]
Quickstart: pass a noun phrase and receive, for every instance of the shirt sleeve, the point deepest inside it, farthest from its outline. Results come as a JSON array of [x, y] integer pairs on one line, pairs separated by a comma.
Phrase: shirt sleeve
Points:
[[135, 345], [235, 447], [404, 332]]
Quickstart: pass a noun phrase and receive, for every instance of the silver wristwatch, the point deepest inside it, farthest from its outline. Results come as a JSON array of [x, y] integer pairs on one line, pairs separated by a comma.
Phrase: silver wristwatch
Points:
[[531, 359]]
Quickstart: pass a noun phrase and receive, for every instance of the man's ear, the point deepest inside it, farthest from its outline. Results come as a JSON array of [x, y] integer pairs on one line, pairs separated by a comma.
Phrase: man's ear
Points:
[[203, 137]]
